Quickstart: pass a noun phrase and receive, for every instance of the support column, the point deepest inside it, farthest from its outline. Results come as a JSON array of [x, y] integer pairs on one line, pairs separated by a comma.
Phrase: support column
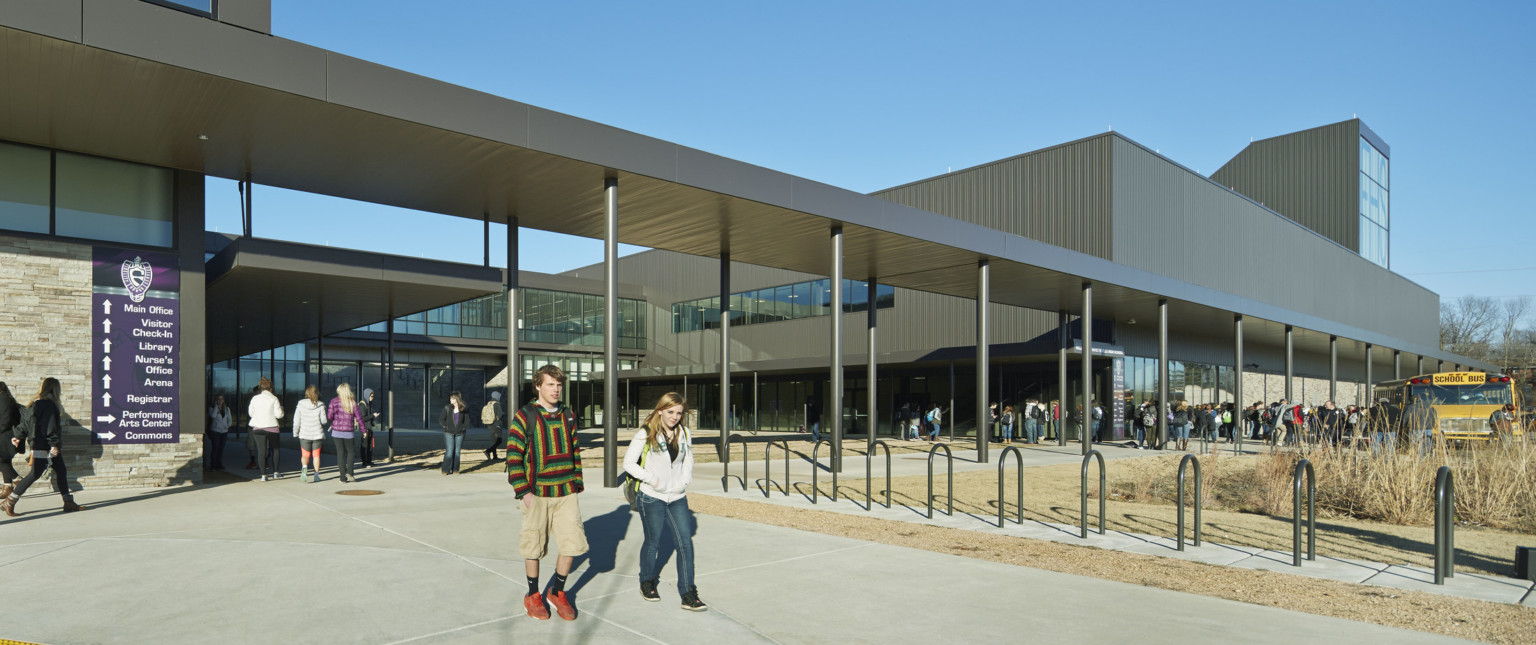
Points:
[[835, 409], [1064, 342], [1420, 367], [1397, 364], [389, 380], [1290, 355], [610, 331], [1086, 423], [724, 449], [983, 354], [1333, 368], [1162, 372], [1369, 398], [1439, 365], [514, 364], [486, 237], [1239, 424], [871, 373]]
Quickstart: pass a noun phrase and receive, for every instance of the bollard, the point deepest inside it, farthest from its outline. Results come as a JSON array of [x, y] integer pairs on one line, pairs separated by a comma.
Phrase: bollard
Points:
[[1091, 454], [768, 470], [816, 469], [950, 492], [1002, 460], [1445, 525], [1189, 459], [869, 501], [1303, 466]]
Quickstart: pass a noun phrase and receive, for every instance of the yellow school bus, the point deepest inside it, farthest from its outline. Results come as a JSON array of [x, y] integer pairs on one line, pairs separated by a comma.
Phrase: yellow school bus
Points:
[[1457, 403]]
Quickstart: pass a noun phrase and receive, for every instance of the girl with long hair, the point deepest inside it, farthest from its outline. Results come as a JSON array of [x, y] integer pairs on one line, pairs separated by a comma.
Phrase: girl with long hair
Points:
[[660, 459], [346, 423], [265, 410], [455, 422], [220, 418], [309, 428], [45, 436]]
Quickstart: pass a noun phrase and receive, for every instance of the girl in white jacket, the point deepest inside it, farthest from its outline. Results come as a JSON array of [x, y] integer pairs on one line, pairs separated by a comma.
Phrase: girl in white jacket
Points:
[[660, 459], [309, 428]]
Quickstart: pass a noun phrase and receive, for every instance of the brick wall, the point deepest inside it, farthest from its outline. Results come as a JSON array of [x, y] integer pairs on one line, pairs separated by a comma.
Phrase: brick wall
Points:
[[45, 330]]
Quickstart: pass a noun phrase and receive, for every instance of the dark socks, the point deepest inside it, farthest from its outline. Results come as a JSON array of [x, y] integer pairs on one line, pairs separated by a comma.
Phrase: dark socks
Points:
[[533, 585], [558, 584]]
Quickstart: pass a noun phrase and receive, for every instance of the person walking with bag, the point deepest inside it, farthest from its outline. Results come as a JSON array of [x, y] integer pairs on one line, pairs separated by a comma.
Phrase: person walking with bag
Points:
[[660, 460], [265, 410], [309, 428], [42, 426], [10, 417], [346, 423], [455, 422], [220, 418], [370, 427], [495, 419]]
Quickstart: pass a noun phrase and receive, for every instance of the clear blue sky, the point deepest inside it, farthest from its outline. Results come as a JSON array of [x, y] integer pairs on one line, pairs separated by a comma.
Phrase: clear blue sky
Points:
[[866, 95]]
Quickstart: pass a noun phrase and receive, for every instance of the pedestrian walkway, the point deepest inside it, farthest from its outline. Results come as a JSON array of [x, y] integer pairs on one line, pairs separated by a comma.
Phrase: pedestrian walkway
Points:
[[431, 559], [1462, 584]]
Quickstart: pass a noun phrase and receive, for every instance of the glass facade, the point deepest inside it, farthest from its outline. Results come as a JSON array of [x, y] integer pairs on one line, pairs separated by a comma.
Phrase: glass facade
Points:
[[200, 7], [45, 191], [1375, 210], [556, 317], [772, 304]]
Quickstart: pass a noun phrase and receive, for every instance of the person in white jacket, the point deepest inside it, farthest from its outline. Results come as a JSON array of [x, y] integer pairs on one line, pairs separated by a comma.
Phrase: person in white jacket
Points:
[[265, 410], [309, 428], [660, 460]]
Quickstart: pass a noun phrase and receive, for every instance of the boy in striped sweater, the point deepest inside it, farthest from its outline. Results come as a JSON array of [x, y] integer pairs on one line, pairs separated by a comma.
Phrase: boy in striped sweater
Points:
[[544, 468]]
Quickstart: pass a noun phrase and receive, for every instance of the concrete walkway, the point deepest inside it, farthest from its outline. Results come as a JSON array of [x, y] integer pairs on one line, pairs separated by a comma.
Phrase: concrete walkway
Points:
[[707, 477], [431, 559]]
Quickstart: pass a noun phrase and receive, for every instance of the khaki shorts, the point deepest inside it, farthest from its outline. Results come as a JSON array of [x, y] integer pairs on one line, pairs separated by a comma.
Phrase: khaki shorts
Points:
[[560, 516]]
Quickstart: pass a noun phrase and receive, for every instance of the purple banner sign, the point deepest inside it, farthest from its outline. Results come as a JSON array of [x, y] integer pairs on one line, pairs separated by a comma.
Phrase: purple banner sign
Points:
[[135, 312]]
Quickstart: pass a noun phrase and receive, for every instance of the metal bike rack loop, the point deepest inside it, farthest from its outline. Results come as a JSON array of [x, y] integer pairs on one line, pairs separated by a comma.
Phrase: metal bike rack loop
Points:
[[1303, 466], [725, 479], [869, 458], [1189, 459], [1084, 497], [1002, 460], [1445, 525], [949, 494], [816, 469], [768, 469]]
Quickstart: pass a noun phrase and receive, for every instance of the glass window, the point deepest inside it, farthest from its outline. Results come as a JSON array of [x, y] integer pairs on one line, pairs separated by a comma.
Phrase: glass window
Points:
[[198, 6], [885, 296], [23, 188], [821, 294], [859, 290], [784, 307], [112, 200], [802, 300]]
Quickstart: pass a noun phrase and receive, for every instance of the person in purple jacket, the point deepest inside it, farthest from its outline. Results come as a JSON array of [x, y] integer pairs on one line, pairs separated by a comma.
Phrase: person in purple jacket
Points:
[[346, 425]]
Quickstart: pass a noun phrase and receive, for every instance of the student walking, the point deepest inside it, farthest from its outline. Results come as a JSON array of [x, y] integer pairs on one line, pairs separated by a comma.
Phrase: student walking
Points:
[[370, 427], [496, 427], [265, 410], [309, 428], [44, 433], [660, 459], [10, 416], [454, 420], [220, 418], [346, 423], [544, 469]]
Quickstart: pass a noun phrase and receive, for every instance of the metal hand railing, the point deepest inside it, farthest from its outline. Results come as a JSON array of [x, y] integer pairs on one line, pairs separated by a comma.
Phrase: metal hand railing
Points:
[[768, 468], [869, 458], [1086, 458], [816, 469], [1303, 466], [949, 493], [1002, 460], [725, 479], [1189, 459], [1445, 525]]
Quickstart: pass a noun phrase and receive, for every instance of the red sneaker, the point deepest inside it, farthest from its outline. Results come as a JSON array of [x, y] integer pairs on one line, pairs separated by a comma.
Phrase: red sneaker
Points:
[[534, 603], [562, 605]]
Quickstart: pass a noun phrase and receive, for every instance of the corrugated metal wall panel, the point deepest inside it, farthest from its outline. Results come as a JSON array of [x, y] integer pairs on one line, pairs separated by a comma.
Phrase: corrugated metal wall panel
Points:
[[1171, 221], [1312, 177], [1059, 195]]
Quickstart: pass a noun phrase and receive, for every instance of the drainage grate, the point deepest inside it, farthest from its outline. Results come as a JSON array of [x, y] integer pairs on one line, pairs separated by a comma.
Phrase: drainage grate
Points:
[[359, 491]]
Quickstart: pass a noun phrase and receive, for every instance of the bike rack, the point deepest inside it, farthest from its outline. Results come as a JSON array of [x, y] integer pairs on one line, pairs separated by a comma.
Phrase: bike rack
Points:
[[1102, 494], [768, 470], [950, 491], [816, 470], [1445, 525], [1189, 459], [869, 458], [1303, 466], [725, 479], [1002, 460]]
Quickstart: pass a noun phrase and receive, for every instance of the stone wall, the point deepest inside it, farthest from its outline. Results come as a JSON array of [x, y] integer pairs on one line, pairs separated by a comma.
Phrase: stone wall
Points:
[[45, 330]]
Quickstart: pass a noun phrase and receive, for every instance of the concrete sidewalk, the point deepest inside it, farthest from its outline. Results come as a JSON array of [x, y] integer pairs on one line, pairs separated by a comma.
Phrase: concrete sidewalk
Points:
[[432, 560]]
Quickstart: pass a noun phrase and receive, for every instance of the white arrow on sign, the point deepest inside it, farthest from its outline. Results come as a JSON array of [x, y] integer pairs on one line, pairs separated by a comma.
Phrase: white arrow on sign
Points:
[[107, 419], [106, 345], [106, 382], [108, 435], [106, 306], [106, 362], [106, 400], [106, 326]]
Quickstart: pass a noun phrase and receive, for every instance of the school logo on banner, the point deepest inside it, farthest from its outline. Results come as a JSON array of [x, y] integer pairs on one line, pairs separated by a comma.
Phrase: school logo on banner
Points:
[[137, 275]]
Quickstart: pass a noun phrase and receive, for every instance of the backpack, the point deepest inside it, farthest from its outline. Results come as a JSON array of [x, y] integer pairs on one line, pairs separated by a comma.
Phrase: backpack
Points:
[[1269, 416], [1226, 417], [933, 415], [1037, 413], [1007, 418], [488, 412], [1149, 417]]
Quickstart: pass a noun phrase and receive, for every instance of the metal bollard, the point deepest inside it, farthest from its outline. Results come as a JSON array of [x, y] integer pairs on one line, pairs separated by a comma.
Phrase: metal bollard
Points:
[[950, 492], [1002, 460], [1086, 458], [869, 502], [1445, 525], [1304, 466], [1189, 459]]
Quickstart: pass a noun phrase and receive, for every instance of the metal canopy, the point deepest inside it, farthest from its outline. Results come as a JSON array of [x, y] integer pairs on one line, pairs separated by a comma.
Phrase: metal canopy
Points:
[[298, 292], [136, 82]]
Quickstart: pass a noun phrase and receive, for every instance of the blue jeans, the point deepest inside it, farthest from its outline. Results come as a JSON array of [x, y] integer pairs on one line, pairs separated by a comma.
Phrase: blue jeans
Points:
[[656, 515], [815, 428], [933, 430], [1007, 433], [451, 444], [1141, 435], [1032, 430]]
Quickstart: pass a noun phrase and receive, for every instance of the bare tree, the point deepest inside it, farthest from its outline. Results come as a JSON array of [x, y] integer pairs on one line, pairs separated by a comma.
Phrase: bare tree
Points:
[[1467, 324], [1510, 316]]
